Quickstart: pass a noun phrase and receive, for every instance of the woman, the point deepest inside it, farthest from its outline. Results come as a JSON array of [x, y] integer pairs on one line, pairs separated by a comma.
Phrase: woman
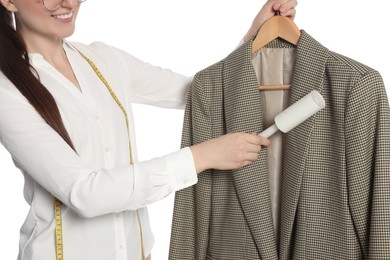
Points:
[[65, 117]]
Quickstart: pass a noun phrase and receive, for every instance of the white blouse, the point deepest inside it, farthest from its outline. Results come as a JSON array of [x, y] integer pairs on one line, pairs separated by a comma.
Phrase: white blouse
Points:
[[98, 187]]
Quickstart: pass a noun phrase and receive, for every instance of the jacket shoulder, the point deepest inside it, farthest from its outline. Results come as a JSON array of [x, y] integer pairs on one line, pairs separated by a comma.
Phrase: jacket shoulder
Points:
[[342, 62]]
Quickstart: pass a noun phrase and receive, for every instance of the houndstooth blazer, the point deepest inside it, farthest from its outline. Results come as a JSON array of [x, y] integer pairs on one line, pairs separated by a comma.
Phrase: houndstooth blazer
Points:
[[336, 172]]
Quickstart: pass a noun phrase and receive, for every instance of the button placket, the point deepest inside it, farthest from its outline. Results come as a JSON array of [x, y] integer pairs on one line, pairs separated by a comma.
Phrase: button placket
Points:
[[120, 237]]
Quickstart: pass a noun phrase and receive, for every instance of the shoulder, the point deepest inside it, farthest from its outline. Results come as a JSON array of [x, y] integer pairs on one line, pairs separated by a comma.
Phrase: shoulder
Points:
[[94, 49], [360, 77], [106, 55], [342, 62]]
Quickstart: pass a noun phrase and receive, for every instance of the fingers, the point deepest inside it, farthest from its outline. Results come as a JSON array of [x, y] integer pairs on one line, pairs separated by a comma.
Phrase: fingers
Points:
[[290, 13], [286, 7], [230, 151], [251, 156], [264, 141], [250, 152], [245, 163], [258, 140]]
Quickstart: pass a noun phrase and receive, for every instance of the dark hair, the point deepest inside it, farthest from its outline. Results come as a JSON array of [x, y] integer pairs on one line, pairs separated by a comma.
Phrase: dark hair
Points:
[[15, 65]]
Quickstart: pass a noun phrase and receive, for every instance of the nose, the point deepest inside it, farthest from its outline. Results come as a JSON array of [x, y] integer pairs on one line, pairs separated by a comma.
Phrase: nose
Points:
[[69, 3]]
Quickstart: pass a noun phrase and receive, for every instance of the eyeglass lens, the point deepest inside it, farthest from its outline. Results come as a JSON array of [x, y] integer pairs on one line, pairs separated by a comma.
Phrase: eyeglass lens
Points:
[[52, 5]]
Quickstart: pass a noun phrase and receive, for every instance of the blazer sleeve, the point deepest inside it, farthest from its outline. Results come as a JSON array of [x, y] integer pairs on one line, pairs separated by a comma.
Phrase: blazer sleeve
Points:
[[189, 236], [367, 131]]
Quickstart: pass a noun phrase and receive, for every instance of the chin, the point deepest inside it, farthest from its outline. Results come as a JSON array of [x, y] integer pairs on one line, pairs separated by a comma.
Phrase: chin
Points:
[[67, 33]]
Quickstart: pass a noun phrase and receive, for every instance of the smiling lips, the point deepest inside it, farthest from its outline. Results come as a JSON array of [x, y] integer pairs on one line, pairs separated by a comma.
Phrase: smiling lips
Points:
[[64, 16]]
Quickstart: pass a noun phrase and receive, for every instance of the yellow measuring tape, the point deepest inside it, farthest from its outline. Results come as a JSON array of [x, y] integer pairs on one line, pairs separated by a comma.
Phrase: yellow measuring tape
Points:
[[57, 203], [58, 231]]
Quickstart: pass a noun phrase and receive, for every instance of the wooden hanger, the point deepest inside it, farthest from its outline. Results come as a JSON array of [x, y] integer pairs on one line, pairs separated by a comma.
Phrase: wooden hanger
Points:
[[276, 26]]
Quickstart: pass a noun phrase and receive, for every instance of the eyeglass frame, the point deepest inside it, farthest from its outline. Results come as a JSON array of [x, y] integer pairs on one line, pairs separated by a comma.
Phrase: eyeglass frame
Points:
[[58, 5]]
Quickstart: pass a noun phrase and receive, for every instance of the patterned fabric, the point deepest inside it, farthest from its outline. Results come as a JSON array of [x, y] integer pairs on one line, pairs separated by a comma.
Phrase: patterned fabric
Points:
[[336, 175]]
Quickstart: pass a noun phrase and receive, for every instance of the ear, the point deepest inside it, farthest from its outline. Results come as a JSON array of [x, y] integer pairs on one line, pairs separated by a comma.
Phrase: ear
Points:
[[9, 5]]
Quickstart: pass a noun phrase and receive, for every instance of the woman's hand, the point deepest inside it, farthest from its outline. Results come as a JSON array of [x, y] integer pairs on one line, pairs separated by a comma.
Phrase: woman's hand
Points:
[[229, 151], [284, 7]]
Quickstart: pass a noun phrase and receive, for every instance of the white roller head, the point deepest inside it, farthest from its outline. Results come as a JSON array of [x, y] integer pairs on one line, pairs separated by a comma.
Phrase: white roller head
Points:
[[299, 111]]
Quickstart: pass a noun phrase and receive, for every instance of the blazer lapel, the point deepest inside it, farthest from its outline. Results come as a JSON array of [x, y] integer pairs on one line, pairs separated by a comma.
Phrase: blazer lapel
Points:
[[308, 75], [243, 113]]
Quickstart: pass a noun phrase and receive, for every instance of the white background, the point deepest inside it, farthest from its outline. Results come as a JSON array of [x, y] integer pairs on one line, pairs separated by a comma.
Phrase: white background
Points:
[[187, 36]]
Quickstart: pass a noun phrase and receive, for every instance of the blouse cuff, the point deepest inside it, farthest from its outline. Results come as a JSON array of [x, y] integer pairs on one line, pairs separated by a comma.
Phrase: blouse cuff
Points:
[[182, 168]]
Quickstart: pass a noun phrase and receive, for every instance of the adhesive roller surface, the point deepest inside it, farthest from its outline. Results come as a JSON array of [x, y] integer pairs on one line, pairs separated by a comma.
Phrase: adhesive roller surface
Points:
[[299, 111]]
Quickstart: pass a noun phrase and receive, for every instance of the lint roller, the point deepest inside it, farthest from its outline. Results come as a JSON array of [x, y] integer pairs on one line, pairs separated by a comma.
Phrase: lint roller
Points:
[[296, 113]]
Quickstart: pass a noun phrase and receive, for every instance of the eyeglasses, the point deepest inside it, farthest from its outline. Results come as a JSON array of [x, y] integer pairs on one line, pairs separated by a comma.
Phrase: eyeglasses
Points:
[[53, 5]]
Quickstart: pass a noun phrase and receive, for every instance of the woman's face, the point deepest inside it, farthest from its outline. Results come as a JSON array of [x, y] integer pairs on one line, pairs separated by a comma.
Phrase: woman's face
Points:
[[33, 22]]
